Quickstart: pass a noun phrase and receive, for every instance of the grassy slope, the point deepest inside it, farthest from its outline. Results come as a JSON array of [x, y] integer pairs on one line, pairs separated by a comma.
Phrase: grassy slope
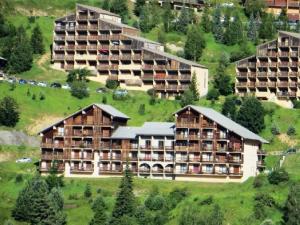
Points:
[[237, 209]]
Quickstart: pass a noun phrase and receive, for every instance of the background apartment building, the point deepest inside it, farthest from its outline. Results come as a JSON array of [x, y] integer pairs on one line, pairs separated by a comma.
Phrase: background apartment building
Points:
[[292, 8], [201, 145], [96, 39], [273, 73]]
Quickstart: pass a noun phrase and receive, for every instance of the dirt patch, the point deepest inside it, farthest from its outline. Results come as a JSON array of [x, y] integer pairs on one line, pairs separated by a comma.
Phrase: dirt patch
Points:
[[41, 123], [5, 157], [43, 60], [287, 140], [174, 48]]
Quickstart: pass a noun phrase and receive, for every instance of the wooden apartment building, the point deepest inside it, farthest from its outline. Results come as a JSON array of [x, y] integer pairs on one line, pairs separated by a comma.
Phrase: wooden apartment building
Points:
[[292, 8], [96, 39], [202, 145], [274, 72]]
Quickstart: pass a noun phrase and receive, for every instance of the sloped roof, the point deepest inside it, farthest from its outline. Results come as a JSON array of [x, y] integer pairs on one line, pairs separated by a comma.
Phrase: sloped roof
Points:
[[107, 108], [117, 24], [170, 56], [98, 10], [125, 133], [226, 123], [139, 38], [296, 35]]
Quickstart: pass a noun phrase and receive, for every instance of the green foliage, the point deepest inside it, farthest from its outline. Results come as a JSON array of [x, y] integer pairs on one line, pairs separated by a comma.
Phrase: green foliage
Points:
[[176, 196], [184, 19], [274, 129], [229, 107], [251, 115], [57, 198], [252, 29], [53, 180], [217, 27], [99, 208], [292, 206], [194, 88], [194, 44], [79, 89], [12, 87], [9, 112], [120, 7], [262, 200], [205, 19], [149, 17], [125, 201], [255, 7], [278, 176], [167, 16], [78, 75], [138, 6], [87, 191], [112, 84], [291, 131], [161, 36], [213, 94], [240, 53], [33, 97], [187, 98], [207, 201], [106, 5], [42, 96], [19, 178], [37, 43], [283, 21], [104, 99], [267, 29], [259, 181], [234, 31], [222, 80], [155, 201], [142, 109]]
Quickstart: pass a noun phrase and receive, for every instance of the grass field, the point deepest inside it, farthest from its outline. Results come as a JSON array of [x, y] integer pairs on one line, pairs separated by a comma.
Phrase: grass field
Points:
[[236, 200]]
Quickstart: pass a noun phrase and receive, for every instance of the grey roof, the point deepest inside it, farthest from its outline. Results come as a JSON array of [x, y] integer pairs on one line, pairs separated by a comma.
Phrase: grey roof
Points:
[[296, 35], [96, 9], [117, 24], [66, 18], [148, 128], [226, 123], [157, 129], [112, 111], [138, 38], [1, 58], [107, 108], [125, 133], [170, 56]]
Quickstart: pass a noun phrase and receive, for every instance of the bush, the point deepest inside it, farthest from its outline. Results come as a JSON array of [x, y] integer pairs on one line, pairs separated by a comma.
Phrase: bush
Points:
[[33, 97], [142, 109], [9, 112], [291, 131], [119, 97], [42, 96], [19, 178], [265, 199], [275, 129], [152, 101], [73, 196], [259, 181], [278, 176], [176, 196], [112, 84], [207, 201], [88, 191], [12, 86], [213, 94], [296, 104], [79, 89], [187, 98], [156, 202], [104, 99], [151, 92]]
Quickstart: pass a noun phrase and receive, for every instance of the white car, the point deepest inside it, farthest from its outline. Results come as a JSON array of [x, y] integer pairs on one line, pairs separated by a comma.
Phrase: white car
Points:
[[42, 84], [66, 86], [23, 160]]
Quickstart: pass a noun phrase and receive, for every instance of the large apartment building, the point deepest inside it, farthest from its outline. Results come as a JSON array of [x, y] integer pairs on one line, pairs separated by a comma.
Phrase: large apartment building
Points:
[[96, 39], [273, 73], [292, 8], [197, 5], [202, 145]]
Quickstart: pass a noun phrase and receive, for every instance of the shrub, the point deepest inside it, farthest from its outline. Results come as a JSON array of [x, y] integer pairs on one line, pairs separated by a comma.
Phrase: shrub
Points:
[[112, 84], [275, 129], [151, 92], [278, 176], [42, 96], [207, 201], [73, 196], [176, 196], [87, 191], [259, 210], [296, 104], [28, 92], [19, 178], [259, 181], [9, 112], [119, 97], [156, 202], [213, 94], [142, 109], [291, 131], [33, 97], [152, 101], [79, 89], [187, 98], [12, 86], [104, 99], [178, 97], [265, 199]]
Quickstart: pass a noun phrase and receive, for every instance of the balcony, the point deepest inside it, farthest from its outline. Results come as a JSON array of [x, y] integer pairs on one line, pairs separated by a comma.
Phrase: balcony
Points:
[[283, 64], [181, 148], [59, 37], [59, 57], [207, 136], [261, 84], [93, 27], [181, 137], [242, 74], [145, 147], [82, 169], [282, 84], [147, 77], [286, 94], [69, 67], [187, 125], [145, 158], [241, 84], [262, 74]]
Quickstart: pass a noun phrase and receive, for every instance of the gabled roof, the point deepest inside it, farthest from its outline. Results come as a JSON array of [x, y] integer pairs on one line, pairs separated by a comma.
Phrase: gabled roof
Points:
[[170, 56], [296, 35], [226, 123], [98, 10], [106, 108]]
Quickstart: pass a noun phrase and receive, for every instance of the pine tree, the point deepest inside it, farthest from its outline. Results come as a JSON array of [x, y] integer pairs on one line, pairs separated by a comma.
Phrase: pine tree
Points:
[[229, 108], [205, 20], [292, 206], [252, 30], [194, 44], [145, 19], [187, 98], [234, 32], [267, 29], [283, 20], [120, 7], [251, 115], [139, 4], [20, 53], [99, 207], [222, 80], [106, 5], [57, 199], [194, 87], [37, 43], [167, 15], [184, 20], [88, 191], [125, 202], [217, 28], [9, 112]]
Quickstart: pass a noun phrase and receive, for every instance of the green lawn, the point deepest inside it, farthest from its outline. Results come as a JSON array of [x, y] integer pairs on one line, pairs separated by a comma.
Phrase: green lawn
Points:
[[236, 200]]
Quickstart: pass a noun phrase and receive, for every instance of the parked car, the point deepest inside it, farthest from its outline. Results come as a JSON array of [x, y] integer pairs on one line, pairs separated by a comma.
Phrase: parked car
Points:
[[11, 80], [291, 151], [55, 85], [42, 84], [24, 160], [66, 86], [101, 90], [22, 81], [121, 92], [32, 82]]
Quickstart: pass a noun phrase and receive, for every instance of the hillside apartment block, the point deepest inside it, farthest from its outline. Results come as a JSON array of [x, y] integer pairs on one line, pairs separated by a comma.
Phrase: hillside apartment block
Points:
[[292, 8], [274, 72], [96, 39], [201, 145]]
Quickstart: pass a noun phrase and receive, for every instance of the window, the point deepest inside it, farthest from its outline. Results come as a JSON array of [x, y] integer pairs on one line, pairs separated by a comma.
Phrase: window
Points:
[[161, 144]]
